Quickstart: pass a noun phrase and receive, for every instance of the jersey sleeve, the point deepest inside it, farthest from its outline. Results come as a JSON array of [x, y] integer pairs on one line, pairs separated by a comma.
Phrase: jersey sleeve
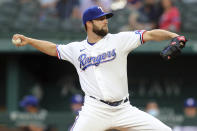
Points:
[[131, 40], [64, 52]]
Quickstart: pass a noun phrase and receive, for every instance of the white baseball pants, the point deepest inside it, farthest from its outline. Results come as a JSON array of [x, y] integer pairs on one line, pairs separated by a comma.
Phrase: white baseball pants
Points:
[[98, 116]]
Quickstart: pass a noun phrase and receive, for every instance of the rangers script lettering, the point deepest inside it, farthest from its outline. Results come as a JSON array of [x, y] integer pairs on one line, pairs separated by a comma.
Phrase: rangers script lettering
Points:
[[89, 61]]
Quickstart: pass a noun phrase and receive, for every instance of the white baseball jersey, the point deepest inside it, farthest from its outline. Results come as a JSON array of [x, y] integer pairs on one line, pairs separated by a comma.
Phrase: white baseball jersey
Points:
[[102, 70], [102, 67]]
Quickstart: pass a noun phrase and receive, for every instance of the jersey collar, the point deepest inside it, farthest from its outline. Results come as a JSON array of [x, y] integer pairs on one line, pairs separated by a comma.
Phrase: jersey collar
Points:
[[97, 44], [90, 43]]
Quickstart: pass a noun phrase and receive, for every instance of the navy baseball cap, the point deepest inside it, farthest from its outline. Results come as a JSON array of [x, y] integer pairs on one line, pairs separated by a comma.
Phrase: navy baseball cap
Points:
[[94, 13], [190, 102], [77, 99], [29, 100]]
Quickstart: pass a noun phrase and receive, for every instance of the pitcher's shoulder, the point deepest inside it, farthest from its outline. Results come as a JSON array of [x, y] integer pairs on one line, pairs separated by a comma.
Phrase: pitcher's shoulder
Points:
[[109, 35], [121, 33], [77, 43]]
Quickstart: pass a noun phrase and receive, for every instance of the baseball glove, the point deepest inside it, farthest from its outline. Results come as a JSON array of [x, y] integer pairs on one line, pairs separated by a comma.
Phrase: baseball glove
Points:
[[174, 48]]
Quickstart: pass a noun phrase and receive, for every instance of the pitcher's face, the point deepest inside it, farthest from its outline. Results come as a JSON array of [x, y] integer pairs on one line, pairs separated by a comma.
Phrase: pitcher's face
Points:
[[100, 26]]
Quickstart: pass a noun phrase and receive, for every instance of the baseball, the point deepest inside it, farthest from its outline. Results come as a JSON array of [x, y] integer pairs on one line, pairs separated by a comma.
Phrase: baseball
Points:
[[17, 41]]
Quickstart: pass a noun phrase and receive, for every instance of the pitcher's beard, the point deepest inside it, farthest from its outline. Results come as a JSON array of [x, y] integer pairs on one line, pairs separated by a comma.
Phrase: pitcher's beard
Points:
[[101, 32]]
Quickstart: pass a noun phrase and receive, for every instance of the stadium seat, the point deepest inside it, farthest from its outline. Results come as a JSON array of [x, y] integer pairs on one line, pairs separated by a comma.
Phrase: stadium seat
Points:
[[188, 17], [8, 13], [24, 22], [49, 24], [74, 25], [118, 20]]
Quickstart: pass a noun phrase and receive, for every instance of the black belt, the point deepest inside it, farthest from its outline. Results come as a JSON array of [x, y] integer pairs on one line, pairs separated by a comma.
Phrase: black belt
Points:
[[115, 103]]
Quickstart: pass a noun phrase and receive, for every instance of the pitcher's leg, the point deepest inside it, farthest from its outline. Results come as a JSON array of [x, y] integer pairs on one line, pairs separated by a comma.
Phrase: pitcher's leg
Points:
[[133, 119], [84, 123], [90, 119], [149, 123]]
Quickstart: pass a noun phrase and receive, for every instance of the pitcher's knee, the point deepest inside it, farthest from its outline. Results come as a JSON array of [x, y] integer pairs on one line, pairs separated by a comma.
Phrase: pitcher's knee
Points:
[[163, 127], [166, 128]]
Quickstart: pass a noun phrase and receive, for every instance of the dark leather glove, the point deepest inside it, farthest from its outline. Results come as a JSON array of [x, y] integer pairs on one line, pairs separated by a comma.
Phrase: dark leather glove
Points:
[[174, 48]]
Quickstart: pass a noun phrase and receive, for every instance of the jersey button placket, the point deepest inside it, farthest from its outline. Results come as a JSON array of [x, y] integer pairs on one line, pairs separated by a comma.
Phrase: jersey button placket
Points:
[[97, 74], [100, 82]]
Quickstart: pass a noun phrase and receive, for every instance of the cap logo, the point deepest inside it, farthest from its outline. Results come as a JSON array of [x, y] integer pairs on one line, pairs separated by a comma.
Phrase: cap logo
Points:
[[94, 13], [100, 8]]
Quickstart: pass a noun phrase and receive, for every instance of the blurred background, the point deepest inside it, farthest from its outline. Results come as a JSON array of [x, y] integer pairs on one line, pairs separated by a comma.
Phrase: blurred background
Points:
[[42, 93]]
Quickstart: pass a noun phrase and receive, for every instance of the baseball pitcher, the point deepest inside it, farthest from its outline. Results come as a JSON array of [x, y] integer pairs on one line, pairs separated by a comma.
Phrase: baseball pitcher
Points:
[[101, 63]]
